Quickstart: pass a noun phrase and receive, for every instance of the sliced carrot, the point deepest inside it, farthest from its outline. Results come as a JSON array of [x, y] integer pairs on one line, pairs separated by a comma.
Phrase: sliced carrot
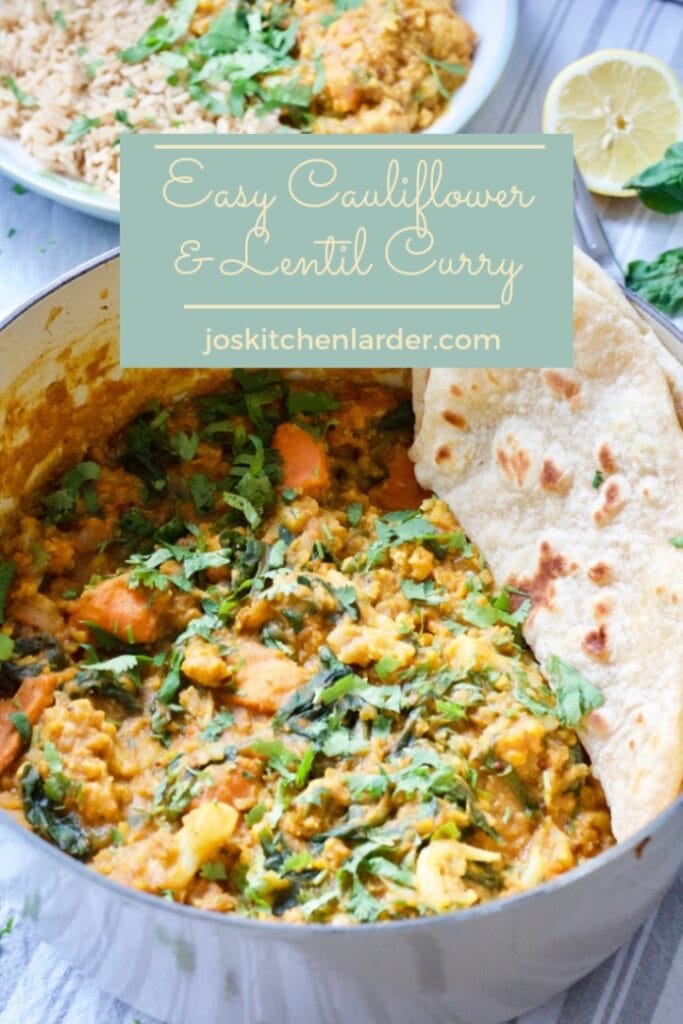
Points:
[[33, 696], [400, 489], [131, 615], [234, 787], [264, 678], [305, 463]]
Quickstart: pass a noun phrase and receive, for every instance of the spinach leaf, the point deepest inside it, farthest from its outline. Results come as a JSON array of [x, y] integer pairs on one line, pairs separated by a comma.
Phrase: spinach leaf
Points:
[[7, 573], [659, 282], [401, 417], [660, 186], [43, 812], [148, 451]]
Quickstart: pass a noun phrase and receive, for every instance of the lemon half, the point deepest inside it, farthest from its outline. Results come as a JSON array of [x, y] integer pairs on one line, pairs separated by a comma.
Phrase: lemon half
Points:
[[622, 107]]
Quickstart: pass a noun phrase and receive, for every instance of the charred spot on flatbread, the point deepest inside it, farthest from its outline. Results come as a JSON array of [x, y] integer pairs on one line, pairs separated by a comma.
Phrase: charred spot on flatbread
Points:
[[513, 460], [455, 419], [613, 497], [599, 573], [540, 588], [606, 459], [595, 645], [561, 385]]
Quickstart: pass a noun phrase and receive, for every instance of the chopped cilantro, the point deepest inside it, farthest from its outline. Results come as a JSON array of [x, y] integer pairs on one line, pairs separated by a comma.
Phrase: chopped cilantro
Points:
[[255, 815], [576, 696], [217, 726], [165, 30], [178, 788], [676, 542], [423, 593], [481, 613], [22, 98], [598, 479], [213, 871], [59, 506], [21, 723], [354, 513], [202, 490], [6, 647], [80, 127], [185, 444], [310, 402], [407, 527], [348, 601]]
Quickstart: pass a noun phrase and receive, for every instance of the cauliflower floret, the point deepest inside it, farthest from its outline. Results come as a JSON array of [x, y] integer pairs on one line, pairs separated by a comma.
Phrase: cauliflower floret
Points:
[[440, 870]]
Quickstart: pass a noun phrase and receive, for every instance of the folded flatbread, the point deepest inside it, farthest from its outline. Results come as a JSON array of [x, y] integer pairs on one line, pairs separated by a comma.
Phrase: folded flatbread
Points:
[[571, 483]]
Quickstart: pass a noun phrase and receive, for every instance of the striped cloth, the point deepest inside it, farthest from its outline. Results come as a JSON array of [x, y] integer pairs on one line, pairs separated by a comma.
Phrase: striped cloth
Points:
[[643, 982]]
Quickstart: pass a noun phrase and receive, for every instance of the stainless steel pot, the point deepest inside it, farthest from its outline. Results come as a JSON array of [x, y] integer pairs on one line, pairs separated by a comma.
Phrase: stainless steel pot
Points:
[[186, 966]]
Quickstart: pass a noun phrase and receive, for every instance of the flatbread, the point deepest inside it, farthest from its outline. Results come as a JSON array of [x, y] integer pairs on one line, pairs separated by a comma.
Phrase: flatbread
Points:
[[515, 454], [587, 270]]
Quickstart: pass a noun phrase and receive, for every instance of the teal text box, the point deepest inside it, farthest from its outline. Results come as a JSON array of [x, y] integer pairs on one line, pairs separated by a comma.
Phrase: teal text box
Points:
[[327, 251]]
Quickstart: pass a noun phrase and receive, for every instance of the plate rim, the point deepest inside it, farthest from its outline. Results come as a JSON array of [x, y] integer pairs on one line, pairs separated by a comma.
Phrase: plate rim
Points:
[[67, 191]]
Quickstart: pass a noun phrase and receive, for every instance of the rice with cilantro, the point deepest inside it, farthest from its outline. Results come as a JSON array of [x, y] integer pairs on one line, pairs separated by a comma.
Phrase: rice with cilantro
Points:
[[76, 75]]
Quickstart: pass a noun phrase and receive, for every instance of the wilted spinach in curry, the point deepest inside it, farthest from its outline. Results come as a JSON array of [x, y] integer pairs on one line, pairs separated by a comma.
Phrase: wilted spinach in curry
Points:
[[255, 667]]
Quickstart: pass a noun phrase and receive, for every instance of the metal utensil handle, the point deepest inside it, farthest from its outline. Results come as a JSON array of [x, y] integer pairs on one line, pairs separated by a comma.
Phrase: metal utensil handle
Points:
[[592, 239], [591, 234]]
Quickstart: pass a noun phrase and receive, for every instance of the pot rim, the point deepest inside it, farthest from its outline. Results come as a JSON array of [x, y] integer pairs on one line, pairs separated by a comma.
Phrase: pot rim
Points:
[[633, 845], [108, 256]]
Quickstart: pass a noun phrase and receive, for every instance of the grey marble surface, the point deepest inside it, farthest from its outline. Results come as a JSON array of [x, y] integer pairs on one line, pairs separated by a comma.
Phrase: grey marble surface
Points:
[[643, 982]]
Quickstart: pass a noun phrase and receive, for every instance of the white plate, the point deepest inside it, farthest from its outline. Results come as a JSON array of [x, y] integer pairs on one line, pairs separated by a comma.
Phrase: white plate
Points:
[[495, 22]]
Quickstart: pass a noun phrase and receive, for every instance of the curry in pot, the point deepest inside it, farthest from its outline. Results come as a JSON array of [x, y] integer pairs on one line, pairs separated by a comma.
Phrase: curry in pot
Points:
[[249, 666]]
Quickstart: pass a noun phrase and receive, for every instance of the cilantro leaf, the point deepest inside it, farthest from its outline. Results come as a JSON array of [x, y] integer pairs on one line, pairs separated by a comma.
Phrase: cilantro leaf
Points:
[[21, 723], [354, 513], [348, 600], [481, 613], [213, 871], [22, 98], [310, 402], [60, 505], [575, 695], [423, 593], [185, 445], [398, 528], [80, 127], [217, 726], [162, 33], [202, 490], [676, 542]]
